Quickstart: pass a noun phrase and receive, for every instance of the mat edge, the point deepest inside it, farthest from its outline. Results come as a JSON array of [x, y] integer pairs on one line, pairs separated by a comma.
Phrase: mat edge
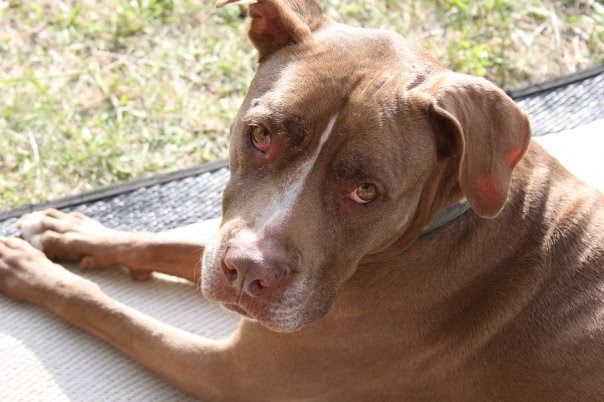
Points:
[[114, 189], [562, 81]]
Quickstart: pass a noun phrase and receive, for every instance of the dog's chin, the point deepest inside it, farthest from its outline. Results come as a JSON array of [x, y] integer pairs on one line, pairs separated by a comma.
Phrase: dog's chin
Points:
[[290, 322]]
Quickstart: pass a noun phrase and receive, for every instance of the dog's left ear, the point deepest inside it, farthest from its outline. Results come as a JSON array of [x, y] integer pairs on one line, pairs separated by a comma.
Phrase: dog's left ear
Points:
[[490, 134], [278, 23]]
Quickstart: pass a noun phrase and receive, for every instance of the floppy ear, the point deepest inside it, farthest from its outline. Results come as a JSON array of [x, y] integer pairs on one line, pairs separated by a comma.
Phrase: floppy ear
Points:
[[278, 23], [490, 135]]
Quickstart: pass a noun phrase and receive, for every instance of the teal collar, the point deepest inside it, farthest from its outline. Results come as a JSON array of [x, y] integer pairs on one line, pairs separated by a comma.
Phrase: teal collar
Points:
[[448, 214]]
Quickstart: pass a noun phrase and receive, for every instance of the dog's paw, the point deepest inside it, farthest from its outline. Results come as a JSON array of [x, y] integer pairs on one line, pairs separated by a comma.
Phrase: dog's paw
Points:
[[31, 228], [27, 275], [72, 237]]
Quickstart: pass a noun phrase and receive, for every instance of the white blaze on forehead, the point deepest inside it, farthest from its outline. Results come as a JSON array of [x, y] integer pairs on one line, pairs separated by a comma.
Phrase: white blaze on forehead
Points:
[[282, 204]]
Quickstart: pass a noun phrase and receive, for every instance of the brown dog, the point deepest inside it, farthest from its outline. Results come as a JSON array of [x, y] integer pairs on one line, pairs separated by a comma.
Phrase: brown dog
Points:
[[349, 145]]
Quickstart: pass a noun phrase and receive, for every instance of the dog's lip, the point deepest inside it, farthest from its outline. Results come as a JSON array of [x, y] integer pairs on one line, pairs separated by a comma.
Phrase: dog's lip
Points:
[[236, 308], [241, 310], [249, 312]]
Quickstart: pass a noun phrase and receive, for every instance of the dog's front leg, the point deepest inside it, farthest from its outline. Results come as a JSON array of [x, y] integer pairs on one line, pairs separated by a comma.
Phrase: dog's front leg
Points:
[[76, 237], [194, 364]]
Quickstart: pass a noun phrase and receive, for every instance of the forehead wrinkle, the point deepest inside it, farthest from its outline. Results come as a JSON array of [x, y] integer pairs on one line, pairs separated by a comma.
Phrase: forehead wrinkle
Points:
[[366, 151], [280, 118], [355, 166]]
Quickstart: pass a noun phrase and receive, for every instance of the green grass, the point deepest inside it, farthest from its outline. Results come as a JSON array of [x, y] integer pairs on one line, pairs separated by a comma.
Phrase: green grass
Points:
[[95, 92]]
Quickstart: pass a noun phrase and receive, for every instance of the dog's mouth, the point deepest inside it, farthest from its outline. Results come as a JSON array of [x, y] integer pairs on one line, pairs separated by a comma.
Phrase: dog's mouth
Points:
[[235, 307], [250, 311], [272, 317]]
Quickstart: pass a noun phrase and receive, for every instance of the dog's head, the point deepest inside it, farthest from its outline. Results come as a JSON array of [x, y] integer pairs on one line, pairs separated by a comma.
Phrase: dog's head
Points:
[[349, 142]]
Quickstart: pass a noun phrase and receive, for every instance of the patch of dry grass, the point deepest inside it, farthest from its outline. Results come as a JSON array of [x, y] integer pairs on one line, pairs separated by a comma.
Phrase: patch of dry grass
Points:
[[95, 92]]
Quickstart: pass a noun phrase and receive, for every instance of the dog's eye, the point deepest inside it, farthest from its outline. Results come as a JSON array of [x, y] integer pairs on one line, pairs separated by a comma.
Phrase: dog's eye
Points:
[[364, 194], [261, 138]]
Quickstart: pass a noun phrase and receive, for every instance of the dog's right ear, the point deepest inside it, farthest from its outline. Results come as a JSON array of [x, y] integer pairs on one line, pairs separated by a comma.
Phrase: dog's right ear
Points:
[[279, 23]]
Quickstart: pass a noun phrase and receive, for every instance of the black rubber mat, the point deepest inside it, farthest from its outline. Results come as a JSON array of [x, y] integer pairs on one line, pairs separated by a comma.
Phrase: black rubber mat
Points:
[[167, 201]]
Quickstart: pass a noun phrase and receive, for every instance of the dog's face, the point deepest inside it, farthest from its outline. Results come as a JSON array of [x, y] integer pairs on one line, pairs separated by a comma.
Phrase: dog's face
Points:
[[339, 150]]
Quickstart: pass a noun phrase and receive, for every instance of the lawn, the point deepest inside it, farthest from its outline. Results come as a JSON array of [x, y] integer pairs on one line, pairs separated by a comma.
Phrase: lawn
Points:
[[96, 92]]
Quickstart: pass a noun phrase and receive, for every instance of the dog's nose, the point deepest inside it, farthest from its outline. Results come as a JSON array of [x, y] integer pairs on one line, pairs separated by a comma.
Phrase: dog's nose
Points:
[[252, 271]]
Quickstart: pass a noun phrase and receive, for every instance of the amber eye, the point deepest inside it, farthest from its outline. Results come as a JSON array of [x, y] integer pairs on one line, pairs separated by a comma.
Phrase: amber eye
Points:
[[261, 138], [364, 194]]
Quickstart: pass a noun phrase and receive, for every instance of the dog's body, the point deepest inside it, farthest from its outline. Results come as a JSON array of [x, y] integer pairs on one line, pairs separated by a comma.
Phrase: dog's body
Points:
[[366, 139]]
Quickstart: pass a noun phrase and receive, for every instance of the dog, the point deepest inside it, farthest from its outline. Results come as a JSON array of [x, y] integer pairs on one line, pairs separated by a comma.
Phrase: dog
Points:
[[389, 232]]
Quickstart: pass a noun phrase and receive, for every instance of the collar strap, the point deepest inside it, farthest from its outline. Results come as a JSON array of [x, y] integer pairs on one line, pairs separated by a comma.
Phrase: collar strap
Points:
[[447, 215]]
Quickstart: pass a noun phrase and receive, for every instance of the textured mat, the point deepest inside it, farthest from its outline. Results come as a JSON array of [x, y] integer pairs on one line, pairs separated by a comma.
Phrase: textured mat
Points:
[[564, 103], [44, 359]]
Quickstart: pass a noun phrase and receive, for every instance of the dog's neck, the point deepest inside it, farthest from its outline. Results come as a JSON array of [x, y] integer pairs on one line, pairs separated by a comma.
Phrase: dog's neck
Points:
[[447, 215]]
